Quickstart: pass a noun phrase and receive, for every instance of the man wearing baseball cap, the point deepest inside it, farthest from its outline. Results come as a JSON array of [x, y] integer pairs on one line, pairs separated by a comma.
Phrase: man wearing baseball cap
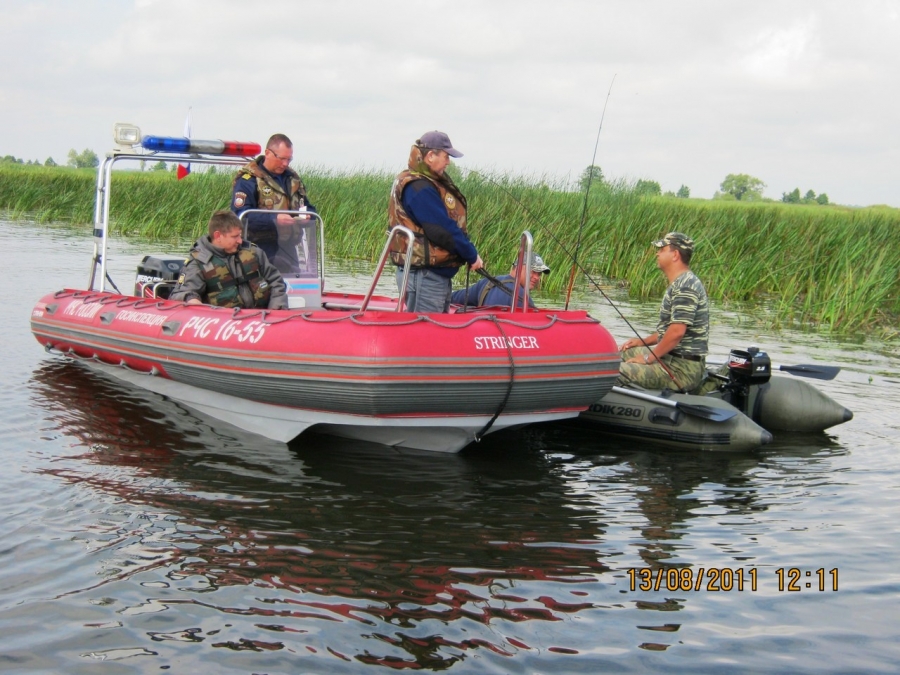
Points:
[[674, 357], [427, 201], [486, 293]]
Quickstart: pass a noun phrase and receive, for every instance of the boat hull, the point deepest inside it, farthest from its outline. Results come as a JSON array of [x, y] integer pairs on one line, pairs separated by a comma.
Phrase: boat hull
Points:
[[627, 416], [430, 382], [791, 404], [283, 424]]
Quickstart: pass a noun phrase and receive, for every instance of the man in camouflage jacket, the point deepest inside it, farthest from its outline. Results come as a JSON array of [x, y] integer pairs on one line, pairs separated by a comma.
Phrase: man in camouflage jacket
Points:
[[226, 271]]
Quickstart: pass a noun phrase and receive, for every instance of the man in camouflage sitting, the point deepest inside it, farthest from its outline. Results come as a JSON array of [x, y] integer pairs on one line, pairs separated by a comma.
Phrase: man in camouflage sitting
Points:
[[674, 356], [226, 271]]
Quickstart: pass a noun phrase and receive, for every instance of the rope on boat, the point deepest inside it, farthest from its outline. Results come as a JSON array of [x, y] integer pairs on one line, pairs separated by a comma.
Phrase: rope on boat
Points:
[[242, 314], [512, 377], [70, 352], [90, 297], [357, 319]]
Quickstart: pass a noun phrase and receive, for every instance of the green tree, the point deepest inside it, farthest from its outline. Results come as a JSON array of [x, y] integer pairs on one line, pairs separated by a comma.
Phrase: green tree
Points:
[[648, 187], [89, 159], [809, 197], [792, 197], [590, 175], [684, 192], [743, 187], [9, 159], [822, 199], [49, 162], [159, 166], [86, 159]]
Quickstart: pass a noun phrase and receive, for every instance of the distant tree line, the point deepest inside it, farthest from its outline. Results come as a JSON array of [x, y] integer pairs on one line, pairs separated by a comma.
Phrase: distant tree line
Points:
[[810, 197], [9, 159], [594, 175], [736, 186], [86, 159], [743, 187], [740, 187]]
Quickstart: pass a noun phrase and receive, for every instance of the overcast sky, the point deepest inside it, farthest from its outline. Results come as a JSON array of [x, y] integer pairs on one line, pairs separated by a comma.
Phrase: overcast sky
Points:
[[801, 94]]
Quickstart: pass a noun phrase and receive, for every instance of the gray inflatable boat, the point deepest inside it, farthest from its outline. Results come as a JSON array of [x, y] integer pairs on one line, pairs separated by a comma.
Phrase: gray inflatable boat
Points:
[[737, 409]]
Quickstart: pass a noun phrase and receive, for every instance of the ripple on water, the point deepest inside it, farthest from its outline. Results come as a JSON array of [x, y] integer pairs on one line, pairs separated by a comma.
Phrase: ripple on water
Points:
[[135, 533]]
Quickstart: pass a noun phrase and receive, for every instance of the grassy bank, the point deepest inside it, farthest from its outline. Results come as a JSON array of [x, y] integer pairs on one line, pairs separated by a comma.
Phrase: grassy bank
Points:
[[832, 267]]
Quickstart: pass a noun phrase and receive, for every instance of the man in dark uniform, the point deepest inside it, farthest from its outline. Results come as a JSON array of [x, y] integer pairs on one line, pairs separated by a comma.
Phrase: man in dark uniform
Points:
[[674, 357], [225, 271], [268, 182]]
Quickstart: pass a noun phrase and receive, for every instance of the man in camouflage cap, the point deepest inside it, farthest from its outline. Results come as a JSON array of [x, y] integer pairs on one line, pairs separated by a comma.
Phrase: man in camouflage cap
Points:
[[674, 357], [486, 293]]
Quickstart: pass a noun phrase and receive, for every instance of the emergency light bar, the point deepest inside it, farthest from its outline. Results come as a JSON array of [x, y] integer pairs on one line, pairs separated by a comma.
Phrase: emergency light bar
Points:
[[193, 145]]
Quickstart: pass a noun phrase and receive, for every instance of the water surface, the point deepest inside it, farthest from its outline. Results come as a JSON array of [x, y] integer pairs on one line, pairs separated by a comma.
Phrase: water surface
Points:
[[137, 537]]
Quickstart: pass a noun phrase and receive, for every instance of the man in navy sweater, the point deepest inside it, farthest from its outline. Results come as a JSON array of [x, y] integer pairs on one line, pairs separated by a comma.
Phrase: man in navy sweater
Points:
[[486, 293], [426, 200]]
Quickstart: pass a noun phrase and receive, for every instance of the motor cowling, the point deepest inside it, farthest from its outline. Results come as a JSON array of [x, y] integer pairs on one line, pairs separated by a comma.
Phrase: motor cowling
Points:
[[750, 367], [156, 275]]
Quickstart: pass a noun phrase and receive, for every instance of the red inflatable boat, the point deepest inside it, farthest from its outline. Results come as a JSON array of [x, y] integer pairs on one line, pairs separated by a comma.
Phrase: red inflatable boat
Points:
[[350, 365]]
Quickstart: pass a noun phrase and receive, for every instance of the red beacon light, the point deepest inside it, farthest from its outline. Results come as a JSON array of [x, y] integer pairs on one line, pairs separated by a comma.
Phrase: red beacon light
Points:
[[200, 147], [241, 149]]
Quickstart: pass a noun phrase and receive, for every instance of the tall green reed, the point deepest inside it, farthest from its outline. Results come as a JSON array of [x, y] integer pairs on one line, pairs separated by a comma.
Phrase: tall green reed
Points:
[[831, 267]]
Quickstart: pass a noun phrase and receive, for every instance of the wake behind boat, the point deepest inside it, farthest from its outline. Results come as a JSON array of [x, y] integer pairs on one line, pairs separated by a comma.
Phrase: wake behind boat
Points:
[[351, 365]]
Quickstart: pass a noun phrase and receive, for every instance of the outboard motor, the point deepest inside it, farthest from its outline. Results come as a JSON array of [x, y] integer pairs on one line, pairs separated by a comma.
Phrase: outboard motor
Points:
[[156, 275], [746, 369]]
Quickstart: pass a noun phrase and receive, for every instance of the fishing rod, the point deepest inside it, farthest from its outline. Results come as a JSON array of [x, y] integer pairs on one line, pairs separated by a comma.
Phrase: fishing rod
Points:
[[587, 192], [556, 240], [565, 250], [494, 280]]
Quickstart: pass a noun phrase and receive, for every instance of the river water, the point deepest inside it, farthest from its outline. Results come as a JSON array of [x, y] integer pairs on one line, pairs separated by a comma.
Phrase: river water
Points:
[[135, 537]]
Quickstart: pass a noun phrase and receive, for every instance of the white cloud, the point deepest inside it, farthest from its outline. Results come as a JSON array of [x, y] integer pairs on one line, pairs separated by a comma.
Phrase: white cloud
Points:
[[798, 94], [783, 55]]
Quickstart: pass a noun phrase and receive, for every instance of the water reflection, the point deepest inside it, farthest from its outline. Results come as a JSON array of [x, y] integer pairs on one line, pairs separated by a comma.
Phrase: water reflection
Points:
[[413, 560]]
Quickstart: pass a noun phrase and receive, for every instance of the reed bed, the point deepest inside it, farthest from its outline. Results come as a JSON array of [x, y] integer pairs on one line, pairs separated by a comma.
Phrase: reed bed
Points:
[[831, 267]]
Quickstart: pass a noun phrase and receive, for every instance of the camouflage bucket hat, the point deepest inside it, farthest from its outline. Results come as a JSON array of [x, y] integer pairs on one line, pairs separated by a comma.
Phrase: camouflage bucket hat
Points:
[[680, 241]]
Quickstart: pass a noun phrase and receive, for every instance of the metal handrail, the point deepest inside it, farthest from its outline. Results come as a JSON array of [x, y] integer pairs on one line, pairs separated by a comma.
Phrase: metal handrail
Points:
[[385, 252], [526, 243], [102, 196]]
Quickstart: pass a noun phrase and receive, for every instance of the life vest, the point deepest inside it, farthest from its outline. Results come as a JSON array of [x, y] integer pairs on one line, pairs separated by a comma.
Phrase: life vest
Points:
[[271, 195], [425, 252], [489, 286], [222, 287]]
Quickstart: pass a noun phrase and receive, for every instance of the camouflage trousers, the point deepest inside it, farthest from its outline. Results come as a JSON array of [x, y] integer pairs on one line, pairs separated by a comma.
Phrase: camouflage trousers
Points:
[[688, 374]]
